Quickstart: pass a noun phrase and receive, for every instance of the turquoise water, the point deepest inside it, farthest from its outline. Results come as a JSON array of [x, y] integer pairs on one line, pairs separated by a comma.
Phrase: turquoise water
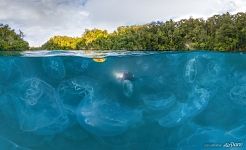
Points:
[[126, 100]]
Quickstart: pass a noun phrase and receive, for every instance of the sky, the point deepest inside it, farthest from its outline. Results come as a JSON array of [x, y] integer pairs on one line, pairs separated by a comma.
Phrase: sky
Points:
[[42, 19]]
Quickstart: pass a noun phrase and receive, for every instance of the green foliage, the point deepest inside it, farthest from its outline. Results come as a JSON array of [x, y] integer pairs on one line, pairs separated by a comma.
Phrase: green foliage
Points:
[[61, 42], [220, 32], [92, 39], [9, 40]]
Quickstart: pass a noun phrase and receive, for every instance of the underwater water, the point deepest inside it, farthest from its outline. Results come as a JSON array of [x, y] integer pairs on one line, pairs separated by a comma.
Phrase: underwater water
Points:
[[63, 100]]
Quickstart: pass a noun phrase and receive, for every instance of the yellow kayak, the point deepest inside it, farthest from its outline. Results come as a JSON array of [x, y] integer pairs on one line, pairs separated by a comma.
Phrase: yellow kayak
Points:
[[99, 60]]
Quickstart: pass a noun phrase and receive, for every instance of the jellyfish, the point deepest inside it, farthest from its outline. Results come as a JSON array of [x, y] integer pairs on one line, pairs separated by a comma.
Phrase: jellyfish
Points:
[[106, 118], [6, 144], [84, 64], [213, 68], [38, 107], [197, 102], [73, 91], [76, 133], [239, 132], [159, 101], [54, 67], [210, 74], [238, 94], [157, 104], [77, 65], [209, 139], [175, 117], [127, 88], [191, 70]]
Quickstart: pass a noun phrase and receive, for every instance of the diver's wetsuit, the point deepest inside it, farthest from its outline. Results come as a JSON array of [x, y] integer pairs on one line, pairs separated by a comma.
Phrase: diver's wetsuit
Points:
[[128, 76]]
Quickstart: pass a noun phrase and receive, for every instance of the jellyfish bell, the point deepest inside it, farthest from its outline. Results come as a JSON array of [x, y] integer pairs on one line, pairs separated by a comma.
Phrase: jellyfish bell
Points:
[[75, 90], [10, 145], [159, 101], [54, 67], [197, 102], [209, 138], [190, 73], [106, 118], [238, 94], [157, 104], [38, 107]]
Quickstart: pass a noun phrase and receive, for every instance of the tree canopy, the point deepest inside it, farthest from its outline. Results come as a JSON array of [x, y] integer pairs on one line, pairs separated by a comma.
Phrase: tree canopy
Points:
[[224, 32], [10, 40]]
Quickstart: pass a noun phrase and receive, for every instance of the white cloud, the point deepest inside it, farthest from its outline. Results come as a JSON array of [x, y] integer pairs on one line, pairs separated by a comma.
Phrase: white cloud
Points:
[[41, 19], [139, 11]]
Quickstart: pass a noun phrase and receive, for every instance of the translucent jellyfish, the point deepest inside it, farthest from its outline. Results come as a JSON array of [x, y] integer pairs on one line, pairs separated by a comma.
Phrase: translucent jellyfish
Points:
[[127, 88], [76, 133], [210, 73], [159, 101], [182, 132], [175, 117], [38, 107], [73, 91], [106, 118], [83, 64], [197, 102], [210, 139], [77, 64], [238, 94], [54, 67], [191, 70], [238, 77], [238, 132], [57, 126], [213, 68], [6, 144]]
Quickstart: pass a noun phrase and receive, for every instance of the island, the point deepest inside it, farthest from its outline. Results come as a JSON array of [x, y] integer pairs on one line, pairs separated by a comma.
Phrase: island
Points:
[[225, 32]]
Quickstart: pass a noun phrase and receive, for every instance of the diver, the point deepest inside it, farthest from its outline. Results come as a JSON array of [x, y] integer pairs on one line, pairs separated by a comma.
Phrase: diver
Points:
[[128, 76], [126, 79], [125, 76]]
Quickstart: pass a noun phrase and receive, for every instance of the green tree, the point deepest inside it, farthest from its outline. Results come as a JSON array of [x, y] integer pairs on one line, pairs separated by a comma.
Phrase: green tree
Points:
[[219, 32], [10, 40]]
